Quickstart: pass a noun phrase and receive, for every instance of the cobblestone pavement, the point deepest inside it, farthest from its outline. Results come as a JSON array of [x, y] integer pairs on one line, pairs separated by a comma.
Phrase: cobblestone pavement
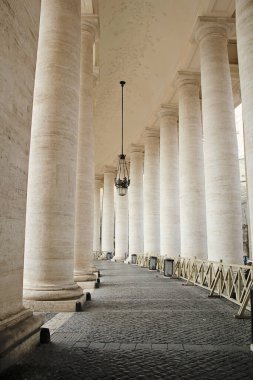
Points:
[[140, 325]]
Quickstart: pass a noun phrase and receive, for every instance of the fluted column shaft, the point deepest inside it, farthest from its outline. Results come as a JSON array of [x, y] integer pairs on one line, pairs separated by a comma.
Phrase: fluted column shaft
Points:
[[19, 328], [169, 182], [223, 203], [191, 168], [121, 227], [108, 212], [244, 32], [49, 247], [97, 215], [83, 269], [151, 194], [135, 197]]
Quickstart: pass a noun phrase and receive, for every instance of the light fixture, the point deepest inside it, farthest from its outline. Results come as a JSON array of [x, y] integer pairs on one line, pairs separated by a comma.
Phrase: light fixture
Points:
[[122, 180]]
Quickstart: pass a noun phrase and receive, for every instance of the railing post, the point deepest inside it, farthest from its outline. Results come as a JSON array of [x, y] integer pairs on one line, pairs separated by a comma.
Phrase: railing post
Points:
[[221, 277], [210, 275], [195, 269], [251, 303]]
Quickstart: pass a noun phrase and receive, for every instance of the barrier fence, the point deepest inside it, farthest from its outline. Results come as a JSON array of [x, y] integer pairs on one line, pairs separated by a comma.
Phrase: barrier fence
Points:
[[230, 281]]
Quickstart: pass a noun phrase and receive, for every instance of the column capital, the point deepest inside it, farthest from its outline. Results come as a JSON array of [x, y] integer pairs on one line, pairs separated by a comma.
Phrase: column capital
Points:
[[136, 148], [109, 169], [214, 26], [168, 111], [90, 24], [151, 132], [187, 78], [99, 177], [99, 180]]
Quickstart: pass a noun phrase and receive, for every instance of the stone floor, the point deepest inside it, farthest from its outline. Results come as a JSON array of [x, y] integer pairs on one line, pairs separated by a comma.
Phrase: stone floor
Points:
[[140, 325]]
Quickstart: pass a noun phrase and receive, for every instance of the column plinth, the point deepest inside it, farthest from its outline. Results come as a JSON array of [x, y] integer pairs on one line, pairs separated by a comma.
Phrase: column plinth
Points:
[[49, 254], [169, 182], [222, 179]]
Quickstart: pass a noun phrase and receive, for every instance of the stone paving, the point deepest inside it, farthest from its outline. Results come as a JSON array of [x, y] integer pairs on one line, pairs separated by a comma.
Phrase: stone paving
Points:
[[140, 325]]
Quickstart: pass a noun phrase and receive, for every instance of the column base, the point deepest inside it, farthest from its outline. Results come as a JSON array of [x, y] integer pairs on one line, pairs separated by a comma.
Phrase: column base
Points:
[[118, 259], [57, 306], [87, 285], [18, 335], [52, 292], [95, 271], [90, 276]]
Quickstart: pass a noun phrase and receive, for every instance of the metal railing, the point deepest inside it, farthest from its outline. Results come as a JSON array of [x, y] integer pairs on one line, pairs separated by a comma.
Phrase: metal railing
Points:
[[99, 255], [230, 281]]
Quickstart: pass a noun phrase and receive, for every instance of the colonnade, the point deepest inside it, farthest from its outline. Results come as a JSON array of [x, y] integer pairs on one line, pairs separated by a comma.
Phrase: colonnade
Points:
[[188, 193], [184, 195]]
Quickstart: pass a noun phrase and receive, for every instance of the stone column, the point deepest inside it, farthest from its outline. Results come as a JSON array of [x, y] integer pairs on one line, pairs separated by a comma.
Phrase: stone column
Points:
[[83, 268], [19, 328], [151, 193], [191, 168], [49, 247], [244, 31], [121, 227], [135, 198], [97, 214], [169, 182], [108, 211], [223, 199]]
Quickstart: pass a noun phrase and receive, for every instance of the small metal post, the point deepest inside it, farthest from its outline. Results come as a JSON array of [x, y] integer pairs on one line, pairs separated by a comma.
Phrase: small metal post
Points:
[[133, 259], [44, 335], [88, 296], [168, 267], [78, 306], [152, 263]]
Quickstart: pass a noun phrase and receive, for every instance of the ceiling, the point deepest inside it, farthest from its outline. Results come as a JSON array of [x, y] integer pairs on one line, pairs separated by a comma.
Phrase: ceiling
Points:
[[145, 43]]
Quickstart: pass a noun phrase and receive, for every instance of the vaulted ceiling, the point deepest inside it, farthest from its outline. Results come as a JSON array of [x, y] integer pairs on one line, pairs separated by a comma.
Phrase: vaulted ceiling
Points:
[[145, 43]]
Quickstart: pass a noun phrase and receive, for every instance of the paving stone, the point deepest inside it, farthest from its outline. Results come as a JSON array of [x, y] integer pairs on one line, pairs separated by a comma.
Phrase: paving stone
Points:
[[139, 326], [157, 346], [112, 346], [143, 346], [128, 346], [175, 347], [211, 347], [82, 344], [98, 345]]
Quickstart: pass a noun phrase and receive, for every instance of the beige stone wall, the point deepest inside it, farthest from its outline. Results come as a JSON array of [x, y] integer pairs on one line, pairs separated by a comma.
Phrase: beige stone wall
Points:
[[19, 22]]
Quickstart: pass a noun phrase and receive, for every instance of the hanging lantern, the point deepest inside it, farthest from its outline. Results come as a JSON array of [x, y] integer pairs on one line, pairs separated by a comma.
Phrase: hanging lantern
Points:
[[122, 180]]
